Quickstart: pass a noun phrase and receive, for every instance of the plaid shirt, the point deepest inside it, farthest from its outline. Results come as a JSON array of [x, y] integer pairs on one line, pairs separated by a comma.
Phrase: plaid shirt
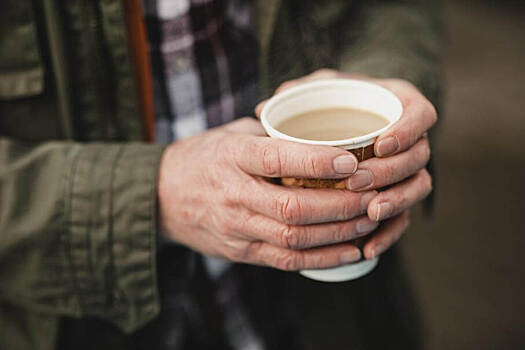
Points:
[[204, 63]]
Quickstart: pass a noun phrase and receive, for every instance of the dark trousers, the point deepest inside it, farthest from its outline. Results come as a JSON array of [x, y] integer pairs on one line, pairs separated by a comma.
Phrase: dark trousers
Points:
[[283, 309]]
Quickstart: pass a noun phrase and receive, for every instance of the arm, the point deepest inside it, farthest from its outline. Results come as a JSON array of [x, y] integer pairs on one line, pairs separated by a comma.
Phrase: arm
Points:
[[78, 221], [77, 226]]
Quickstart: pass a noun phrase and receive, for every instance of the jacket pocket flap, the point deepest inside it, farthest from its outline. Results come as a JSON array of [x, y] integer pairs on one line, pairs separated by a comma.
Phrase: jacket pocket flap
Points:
[[21, 70], [20, 84]]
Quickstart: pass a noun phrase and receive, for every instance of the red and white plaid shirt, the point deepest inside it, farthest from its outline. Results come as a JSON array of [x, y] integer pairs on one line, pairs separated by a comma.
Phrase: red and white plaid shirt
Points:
[[204, 61]]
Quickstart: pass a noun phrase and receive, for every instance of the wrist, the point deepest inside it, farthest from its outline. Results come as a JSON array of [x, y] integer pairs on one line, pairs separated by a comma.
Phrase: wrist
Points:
[[166, 188]]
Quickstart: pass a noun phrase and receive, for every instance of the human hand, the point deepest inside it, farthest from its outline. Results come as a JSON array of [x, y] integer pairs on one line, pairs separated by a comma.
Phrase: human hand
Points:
[[214, 197], [401, 156]]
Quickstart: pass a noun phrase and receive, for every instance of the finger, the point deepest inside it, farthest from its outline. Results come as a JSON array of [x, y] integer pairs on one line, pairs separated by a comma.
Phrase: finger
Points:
[[324, 73], [317, 75], [270, 157], [388, 234], [259, 108], [380, 172], [283, 87], [302, 206], [419, 115], [293, 260], [400, 197], [259, 227], [246, 125]]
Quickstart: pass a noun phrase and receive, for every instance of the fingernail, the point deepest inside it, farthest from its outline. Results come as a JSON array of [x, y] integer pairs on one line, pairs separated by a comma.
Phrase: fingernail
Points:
[[345, 164], [350, 256], [361, 179], [365, 225], [366, 199], [383, 211], [377, 250], [387, 146]]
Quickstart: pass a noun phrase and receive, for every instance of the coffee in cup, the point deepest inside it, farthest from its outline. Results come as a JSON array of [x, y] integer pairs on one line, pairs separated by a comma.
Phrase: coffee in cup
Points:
[[344, 113]]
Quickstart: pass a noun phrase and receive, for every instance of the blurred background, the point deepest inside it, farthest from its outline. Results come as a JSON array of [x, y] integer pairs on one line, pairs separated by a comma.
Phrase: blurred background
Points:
[[466, 261]]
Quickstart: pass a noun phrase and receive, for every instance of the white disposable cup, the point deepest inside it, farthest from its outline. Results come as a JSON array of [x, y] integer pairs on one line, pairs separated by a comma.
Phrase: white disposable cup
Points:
[[333, 93]]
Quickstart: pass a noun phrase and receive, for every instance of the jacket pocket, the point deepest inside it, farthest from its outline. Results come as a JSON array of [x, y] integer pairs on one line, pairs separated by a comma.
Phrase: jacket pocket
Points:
[[21, 69]]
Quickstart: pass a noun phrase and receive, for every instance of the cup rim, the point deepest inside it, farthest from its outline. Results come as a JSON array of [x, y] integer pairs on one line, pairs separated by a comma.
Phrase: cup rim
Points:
[[296, 90]]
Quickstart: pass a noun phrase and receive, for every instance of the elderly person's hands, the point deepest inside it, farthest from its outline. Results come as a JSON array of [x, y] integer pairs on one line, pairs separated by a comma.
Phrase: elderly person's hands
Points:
[[401, 156], [214, 197]]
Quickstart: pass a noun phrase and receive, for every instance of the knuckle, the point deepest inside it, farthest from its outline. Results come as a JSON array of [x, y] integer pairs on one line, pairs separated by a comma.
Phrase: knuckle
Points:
[[287, 262], [227, 149], [427, 181], [393, 81], [226, 227], [234, 255], [406, 220], [236, 251], [409, 85], [427, 150], [421, 153], [386, 175], [289, 209], [232, 195], [259, 107], [426, 110], [313, 168], [400, 201], [348, 209], [284, 86], [271, 160], [290, 238], [401, 83], [427, 154], [223, 145], [325, 73], [412, 138], [431, 112], [340, 234]]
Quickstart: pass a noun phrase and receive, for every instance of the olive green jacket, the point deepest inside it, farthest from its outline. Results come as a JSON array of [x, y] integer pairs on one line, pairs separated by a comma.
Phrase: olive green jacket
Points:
[[77, 185]]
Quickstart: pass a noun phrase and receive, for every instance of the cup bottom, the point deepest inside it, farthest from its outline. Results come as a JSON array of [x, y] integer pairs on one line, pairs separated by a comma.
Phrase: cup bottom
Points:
[[342, 273]]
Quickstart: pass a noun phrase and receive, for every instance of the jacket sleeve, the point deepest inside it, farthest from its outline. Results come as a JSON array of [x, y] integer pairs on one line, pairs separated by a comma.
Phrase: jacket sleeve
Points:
[[77, 229], [394, 39], [397, 39]]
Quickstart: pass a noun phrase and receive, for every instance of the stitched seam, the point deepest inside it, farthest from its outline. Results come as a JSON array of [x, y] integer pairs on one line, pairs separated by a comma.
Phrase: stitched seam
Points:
[[68, 234], [112, 280], [89, 225]]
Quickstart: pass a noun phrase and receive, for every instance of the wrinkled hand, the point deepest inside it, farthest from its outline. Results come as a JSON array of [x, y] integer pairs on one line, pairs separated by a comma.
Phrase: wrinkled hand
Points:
[[214, 197], [401, 156]]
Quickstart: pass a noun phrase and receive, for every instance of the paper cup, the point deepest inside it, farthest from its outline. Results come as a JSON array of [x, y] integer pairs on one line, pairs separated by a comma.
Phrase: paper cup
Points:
[[333, 93]]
